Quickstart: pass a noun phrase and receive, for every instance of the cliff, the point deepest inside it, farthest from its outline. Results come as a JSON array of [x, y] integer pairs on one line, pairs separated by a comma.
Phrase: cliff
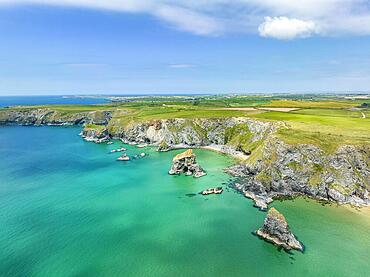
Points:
[[285, 170], [47, 116], [234, 135]]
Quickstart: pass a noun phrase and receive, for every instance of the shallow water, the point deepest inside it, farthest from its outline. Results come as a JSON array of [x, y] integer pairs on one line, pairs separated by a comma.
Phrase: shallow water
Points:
[[67, 208]]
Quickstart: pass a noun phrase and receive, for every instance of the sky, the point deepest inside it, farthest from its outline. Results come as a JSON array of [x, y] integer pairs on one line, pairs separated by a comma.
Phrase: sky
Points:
[[185, 46]]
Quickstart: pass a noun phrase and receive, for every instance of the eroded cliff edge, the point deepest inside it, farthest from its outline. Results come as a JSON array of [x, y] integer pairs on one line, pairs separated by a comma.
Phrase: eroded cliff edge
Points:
[[285, 170], [272, 168]]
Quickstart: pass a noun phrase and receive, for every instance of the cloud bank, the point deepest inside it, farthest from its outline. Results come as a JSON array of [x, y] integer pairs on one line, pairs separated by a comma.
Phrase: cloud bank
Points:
[[287, 28], [279, 19]]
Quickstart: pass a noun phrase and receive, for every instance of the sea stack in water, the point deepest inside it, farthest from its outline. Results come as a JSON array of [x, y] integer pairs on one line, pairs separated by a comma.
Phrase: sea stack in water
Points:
[[186, 163], [276, 230]]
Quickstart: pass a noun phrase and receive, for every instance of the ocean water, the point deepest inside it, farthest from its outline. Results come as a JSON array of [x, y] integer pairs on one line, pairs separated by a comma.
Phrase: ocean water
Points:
[[7, 101], [67, 208]]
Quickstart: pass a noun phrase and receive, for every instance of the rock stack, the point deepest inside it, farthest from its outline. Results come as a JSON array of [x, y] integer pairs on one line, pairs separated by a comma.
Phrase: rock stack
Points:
[[186, 163], [276, 230]]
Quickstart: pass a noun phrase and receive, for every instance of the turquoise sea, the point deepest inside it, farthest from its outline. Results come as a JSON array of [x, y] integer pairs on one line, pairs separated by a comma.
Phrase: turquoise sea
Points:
[[7, 101], [68, 208]]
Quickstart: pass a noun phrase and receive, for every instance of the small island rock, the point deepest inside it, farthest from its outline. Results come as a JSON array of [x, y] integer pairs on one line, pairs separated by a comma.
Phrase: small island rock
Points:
[[186, 163], [276, 230]]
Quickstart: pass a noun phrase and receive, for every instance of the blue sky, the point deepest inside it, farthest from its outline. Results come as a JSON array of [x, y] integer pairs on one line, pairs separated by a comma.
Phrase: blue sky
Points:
[[58, 48]]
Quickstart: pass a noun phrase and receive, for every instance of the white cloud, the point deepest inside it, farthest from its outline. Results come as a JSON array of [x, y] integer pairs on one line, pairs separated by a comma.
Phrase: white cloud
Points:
[[287, 19], [178, 16], [287, 28]]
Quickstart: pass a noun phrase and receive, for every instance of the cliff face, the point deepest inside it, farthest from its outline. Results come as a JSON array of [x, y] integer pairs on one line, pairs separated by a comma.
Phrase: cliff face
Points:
[[197, 132], [229, 135], [290, 170], [50, 117]]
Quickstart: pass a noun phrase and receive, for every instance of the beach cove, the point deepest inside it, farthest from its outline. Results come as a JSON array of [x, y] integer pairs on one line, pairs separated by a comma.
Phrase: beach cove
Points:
[[68, 208]]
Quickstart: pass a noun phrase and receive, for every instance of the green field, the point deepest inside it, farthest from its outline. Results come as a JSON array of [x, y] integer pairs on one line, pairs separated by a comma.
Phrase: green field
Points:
[[326, 121]]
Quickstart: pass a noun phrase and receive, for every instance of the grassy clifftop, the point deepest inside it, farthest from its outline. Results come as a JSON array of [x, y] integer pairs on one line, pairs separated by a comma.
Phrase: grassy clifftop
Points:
[[323, 121]]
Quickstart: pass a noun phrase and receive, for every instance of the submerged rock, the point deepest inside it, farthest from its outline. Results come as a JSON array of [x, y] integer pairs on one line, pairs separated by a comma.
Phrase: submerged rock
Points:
[[276, 230], [124, 157], [142, 145], [217, 190], [186, 163]]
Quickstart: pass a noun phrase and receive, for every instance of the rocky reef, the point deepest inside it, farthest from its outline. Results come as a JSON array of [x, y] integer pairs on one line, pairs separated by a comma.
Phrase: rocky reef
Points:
[[276, 230], [185, 163], [285, 171]]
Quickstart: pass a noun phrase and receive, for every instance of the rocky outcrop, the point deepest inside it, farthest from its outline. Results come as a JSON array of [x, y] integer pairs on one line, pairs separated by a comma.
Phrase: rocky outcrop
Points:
[[276, 230], [163, 147], [285, 170], [46, 116], [95, 133], [185, 163]]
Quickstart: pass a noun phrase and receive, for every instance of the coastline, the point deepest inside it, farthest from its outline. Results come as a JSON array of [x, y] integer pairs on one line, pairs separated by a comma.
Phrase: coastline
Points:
[[359, 210], [223, 149], [281, 171]]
